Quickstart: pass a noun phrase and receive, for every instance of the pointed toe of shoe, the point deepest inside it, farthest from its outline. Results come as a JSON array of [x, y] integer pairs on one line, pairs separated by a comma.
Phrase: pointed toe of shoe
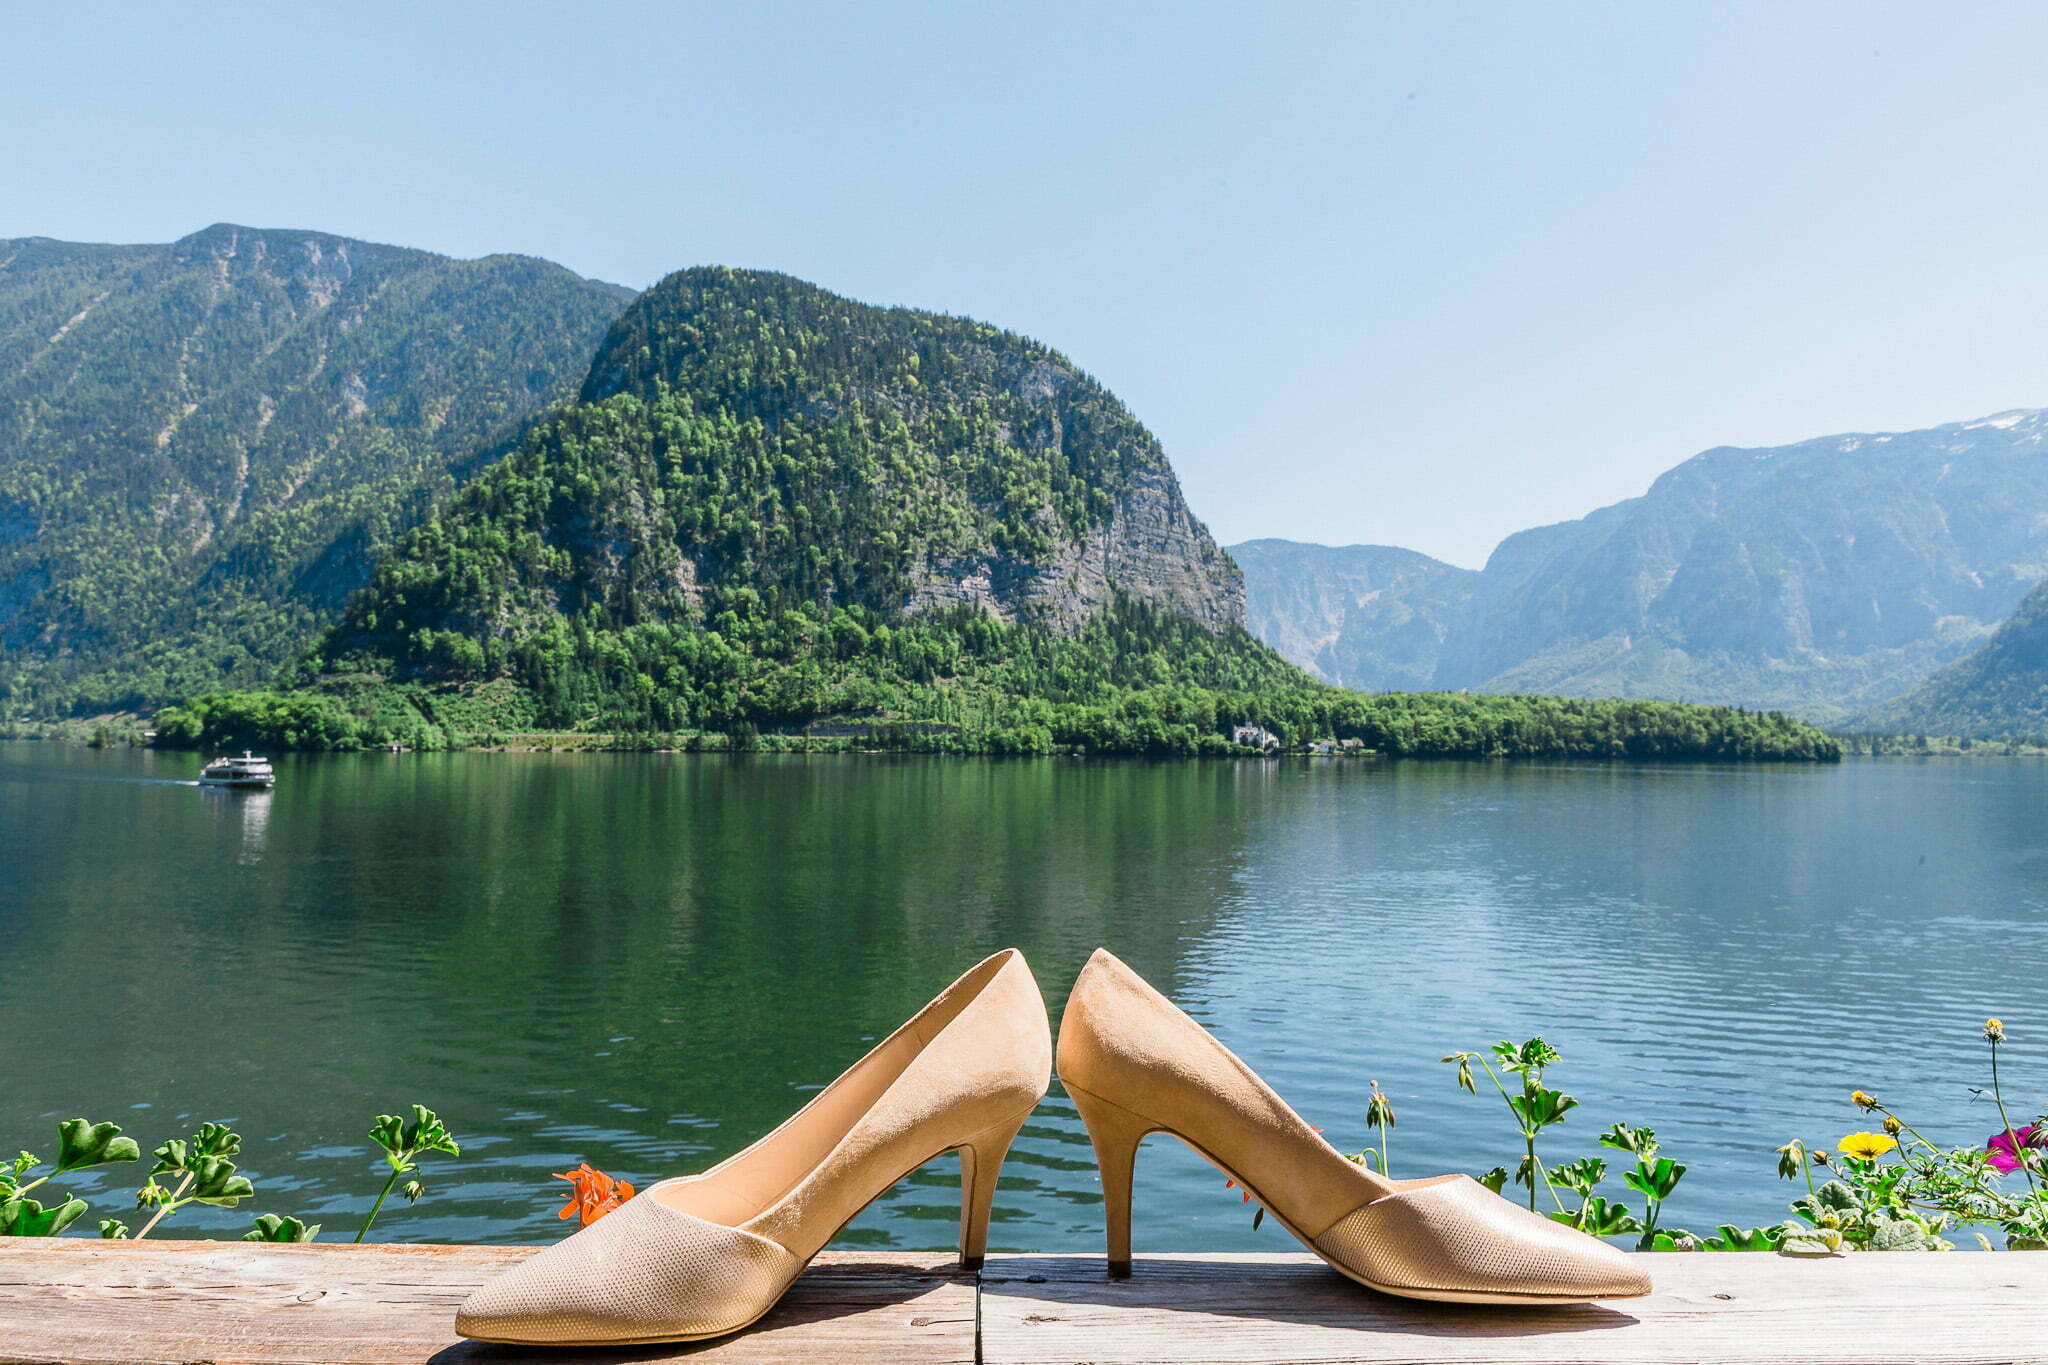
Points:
[[1455, 1239], [644, 1273]]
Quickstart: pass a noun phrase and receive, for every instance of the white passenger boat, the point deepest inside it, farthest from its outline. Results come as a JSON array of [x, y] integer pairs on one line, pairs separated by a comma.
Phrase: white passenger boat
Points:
[[246, 771]]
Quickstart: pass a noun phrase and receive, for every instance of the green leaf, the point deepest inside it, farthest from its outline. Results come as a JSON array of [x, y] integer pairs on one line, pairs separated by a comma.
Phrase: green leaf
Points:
[[23, 1217], [1603, 1219], [82, 1144], [1541, 1107], [113, 1229], [171, 1156], [214, 1181], [1495, 1179], [269, 1227], [216, 1139], [1639, 1142], [1901, 1235], [402, 1141], [1529, 1057], [1581, 1176], [180, 1154], [1655, 1179], [1811, 1242], [1745, 1239]]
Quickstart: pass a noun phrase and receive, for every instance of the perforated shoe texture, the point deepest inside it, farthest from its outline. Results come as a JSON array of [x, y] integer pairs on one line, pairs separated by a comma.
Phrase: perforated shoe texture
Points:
[[643, 1270], [1457, 1236]]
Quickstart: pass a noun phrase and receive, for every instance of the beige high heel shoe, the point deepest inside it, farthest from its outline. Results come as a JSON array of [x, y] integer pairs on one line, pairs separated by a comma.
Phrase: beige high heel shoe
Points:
[[700, 1256], [1135, 1064]]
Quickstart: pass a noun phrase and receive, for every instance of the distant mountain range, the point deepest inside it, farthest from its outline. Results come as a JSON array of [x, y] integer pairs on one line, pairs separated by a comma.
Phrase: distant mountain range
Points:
[[1827, 578], [328, 492], [205, 445]]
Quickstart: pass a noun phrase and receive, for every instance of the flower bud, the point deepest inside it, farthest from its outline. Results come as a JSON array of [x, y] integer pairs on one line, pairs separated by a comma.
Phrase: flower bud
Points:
[[1864, 1101], [1994, 1030], [1892, 1126]]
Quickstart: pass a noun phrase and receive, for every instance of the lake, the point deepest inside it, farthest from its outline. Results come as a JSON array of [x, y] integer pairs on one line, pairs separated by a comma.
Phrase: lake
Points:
[[646, 961]]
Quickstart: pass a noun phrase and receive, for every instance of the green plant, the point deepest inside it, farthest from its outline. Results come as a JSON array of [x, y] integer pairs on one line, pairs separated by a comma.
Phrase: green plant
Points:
[[206, 1175], [1535, 1108], [1898, 1190], [404, 1143], [80, 1146]]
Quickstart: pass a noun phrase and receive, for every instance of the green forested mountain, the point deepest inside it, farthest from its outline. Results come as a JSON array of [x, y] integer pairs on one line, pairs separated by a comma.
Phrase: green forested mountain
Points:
[[772, 509], [204, 445], [1999, 690], [1824, 578]]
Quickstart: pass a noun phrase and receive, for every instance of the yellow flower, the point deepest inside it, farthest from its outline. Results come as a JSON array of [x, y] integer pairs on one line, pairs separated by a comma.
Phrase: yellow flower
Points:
[[1866, 1146], [1994, 1030], [1893, 1127], [1863, 1101]]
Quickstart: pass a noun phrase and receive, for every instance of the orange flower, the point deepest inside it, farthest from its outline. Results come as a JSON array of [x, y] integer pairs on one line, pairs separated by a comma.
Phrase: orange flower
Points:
[[592, 1193]]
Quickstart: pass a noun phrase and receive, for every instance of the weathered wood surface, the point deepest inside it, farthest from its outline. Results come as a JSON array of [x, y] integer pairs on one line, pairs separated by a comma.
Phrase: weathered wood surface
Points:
[[71, 1299], [1901, 1308], [236, 1303]]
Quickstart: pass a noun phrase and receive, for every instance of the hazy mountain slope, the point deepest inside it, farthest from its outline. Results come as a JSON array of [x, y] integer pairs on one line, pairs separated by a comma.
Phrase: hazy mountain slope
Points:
[[1372, 617], [1824, 577], [204, 445], [2000, 689]]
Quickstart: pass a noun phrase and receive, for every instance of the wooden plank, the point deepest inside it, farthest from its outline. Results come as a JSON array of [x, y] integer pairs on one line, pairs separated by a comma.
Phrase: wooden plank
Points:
[[1741, 1309], [246, 1303]]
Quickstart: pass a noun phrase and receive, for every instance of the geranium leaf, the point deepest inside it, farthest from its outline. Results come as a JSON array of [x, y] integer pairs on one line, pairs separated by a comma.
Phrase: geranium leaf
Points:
[[82, 1144]]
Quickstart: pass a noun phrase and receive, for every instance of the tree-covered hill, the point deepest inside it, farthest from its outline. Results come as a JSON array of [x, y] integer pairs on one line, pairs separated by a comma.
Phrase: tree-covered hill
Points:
[[205, 445], [1999, 690], [774, 510]]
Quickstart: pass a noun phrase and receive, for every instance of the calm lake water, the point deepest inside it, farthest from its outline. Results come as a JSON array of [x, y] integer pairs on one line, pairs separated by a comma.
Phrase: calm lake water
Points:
[[646, 961]]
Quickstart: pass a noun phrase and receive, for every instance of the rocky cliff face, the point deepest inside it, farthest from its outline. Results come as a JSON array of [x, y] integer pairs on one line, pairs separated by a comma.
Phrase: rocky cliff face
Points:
[[204, 444], [1824, 577], [1150, 549]]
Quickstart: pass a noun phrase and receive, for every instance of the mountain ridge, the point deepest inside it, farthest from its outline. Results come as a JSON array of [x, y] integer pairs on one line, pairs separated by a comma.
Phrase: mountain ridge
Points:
[[204, 443], [1825, 576]]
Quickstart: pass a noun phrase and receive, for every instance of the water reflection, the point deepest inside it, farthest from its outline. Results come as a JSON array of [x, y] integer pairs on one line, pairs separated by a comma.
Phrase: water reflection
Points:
[[243, 808]]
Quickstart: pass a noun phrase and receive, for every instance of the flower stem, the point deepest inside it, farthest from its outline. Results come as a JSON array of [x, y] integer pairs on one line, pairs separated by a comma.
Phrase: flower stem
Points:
[[2019, 1151], [165, 1207], [382, 1195]]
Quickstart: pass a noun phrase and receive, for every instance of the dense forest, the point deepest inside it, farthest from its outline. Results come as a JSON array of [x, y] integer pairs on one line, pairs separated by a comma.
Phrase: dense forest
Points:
[[204, 446], [1134, 680]]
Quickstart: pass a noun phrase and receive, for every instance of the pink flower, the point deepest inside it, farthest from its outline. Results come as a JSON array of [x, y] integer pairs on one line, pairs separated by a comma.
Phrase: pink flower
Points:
[[2005, 1152]]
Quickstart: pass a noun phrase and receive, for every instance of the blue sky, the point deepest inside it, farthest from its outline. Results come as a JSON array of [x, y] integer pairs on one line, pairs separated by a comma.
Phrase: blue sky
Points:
[[1412, 274]]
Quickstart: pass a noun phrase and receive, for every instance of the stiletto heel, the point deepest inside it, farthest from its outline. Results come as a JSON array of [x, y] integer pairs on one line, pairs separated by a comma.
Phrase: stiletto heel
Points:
[[1115, 1133], [981, 1166], [1134, 1064]]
